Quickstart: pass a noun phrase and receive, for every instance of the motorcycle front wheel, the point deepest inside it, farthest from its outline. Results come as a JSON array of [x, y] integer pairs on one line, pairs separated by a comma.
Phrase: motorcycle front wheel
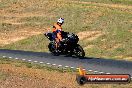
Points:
[[79, 52]]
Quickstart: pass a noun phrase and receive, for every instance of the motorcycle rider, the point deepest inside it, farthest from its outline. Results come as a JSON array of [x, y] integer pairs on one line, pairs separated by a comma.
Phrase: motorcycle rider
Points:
[[57, 31], [63, 42]]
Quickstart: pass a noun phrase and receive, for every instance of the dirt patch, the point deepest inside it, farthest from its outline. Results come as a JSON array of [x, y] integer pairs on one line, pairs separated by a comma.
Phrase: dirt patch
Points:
[[92, 16], [120, 56], [12, 15], [21, 77], [130, 30], [13, 36], [89, 46], [89, 35], [114, 47], [22, 15], [105, 5], [128, 58]]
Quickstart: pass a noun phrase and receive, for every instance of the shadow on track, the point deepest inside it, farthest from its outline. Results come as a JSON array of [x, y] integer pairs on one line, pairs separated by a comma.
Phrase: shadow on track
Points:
[[85, 60]]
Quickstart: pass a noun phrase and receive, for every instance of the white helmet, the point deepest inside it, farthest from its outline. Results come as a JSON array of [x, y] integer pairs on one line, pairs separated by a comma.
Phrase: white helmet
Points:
[[60, 20]]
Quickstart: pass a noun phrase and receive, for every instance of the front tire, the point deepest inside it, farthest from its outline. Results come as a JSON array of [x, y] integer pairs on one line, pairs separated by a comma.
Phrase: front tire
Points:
[[79, 52]]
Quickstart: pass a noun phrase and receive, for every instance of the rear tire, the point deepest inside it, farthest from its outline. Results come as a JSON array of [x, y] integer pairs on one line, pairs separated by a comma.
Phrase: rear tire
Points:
[[52, 49], [69, 54]]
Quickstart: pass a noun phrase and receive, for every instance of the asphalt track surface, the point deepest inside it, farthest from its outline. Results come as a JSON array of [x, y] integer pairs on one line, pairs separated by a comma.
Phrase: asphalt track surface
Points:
[[96, 65]]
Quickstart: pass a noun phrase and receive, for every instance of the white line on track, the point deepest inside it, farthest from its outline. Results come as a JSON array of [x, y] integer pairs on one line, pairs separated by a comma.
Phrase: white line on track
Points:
[[72, 67], [10, 57], [101, 72], [16, 58], [95, 71], [107, 73], [41, 62], [4, 56], [60, 65], [83, 69], [90, 70], [35, 61], [66, 66], [53, 64], [48, 63], [29, 60]]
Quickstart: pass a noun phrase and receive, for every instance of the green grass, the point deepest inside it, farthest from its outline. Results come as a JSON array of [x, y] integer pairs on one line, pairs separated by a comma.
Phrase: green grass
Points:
[[3, 75], [115, 23], [126, 2], [20, 63], [34, 43]]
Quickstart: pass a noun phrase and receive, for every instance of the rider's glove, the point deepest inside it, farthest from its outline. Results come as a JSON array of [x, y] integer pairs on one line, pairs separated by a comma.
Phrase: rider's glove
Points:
[[63, 40]]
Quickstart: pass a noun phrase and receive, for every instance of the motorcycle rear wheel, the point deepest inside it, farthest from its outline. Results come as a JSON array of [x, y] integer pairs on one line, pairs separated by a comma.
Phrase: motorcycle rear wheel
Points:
[[52, 49]]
